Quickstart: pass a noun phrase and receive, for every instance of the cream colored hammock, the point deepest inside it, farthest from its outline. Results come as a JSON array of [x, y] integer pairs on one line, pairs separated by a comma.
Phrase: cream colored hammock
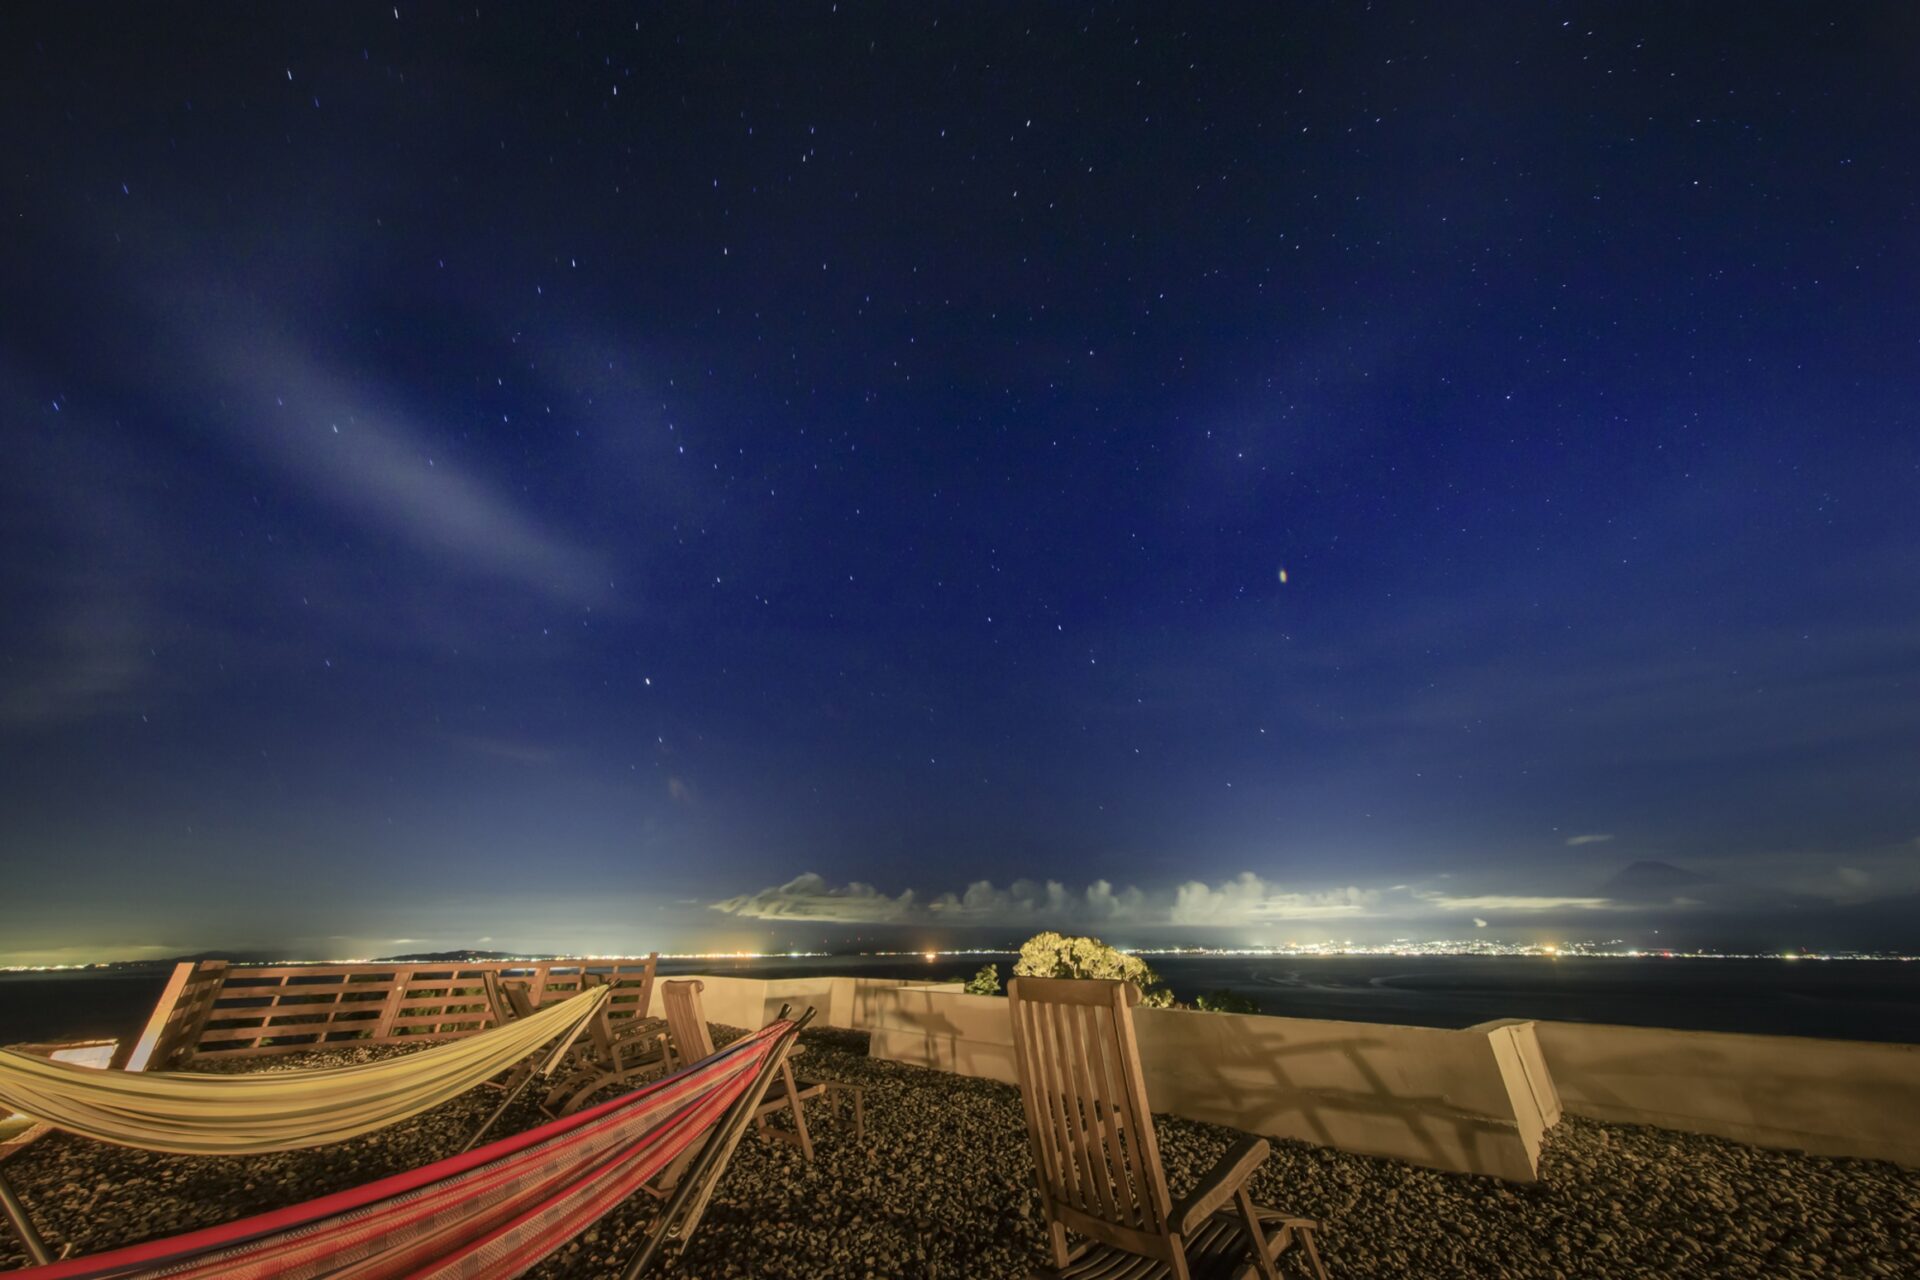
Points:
[[193, 1113]]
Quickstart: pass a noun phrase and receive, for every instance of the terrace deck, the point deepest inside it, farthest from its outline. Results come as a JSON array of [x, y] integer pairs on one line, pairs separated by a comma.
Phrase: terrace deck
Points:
[[943, 1189]]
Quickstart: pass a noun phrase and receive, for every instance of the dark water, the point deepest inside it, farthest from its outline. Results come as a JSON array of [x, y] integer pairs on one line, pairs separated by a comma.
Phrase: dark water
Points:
[[1846, 1000], [1851, 1000], [51, 1007], [1831, 999]]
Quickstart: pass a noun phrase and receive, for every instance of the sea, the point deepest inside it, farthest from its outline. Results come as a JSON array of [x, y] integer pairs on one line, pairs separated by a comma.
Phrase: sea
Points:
[[1831, 999]]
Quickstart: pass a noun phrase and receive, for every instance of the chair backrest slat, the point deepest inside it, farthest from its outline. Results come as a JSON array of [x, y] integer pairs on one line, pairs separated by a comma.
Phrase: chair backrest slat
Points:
[[686, 1021], [519, 999], [1087, 1114], [1130, 1206]]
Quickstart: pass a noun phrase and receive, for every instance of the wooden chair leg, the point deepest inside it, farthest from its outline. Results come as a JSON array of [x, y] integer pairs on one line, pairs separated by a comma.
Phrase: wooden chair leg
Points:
[[16, 1214], [1313, 1254], [1262, 1259], [799, 1111], [663, 1185], [1057, 1241]]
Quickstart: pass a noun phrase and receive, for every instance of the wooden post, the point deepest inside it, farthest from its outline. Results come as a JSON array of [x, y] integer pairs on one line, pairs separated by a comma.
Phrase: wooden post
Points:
[[396, 999], [195, 1008], [645, 1002], [178, 1017], [134, 1054]]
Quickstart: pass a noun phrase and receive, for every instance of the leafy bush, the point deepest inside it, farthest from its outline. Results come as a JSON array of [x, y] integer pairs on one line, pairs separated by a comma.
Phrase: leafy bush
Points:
[[1224, 1002], [986, 982], [1049, 955]]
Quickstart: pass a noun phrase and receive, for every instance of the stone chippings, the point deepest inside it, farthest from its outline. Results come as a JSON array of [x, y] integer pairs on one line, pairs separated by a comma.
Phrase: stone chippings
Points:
[[942, 1189]]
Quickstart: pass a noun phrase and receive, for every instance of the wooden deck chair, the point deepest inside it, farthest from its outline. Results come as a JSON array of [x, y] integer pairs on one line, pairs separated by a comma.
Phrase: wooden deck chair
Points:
[[1099, 1163], [611, 1054], [690, 1041]]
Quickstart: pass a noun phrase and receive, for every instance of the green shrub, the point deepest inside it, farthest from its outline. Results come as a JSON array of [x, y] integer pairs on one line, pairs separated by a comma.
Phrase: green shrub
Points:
[[986, 982], [1225, 1002], [1049, 955]]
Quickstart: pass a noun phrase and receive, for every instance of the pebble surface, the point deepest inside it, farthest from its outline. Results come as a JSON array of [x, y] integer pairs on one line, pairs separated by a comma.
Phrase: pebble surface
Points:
[[942, 1188]]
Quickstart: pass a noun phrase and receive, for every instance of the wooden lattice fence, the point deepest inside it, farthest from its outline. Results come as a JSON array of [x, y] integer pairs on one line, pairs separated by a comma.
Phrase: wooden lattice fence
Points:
[[212, 1009]]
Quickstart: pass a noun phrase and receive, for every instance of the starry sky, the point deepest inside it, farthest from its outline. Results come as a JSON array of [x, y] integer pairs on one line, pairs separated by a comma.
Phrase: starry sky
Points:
[[828, 474]]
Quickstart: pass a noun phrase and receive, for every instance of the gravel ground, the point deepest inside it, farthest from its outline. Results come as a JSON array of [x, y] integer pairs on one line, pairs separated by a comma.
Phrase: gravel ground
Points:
[[942, 1189]]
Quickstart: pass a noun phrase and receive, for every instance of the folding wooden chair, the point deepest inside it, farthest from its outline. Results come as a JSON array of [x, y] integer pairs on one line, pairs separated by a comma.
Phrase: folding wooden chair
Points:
[[690, 1041], [1099, 1163]]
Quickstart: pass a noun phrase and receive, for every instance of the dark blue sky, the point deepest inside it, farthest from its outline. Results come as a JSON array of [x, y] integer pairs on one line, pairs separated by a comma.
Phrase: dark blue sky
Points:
[[521, 480]]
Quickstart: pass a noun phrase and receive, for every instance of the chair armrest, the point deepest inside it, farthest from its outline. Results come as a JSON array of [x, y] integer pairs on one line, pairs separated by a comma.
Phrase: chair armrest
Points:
[[1218, 1186]]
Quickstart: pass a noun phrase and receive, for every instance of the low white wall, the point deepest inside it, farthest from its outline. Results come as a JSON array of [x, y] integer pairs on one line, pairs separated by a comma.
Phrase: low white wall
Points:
[[1475, 1101], [1454, 1100], [1828, 1097], [753, 1002]]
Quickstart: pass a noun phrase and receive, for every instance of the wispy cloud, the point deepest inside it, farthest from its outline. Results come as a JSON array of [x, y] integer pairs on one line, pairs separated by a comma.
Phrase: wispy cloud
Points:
[[1599, 838], [362, 453], [1248, 901], [1516, 902], [1251, 900], [809, 897], [528, 753], [1245, 900]]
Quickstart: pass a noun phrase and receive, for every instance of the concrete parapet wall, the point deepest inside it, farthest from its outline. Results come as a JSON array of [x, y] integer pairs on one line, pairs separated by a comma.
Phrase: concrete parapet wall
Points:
[[837, 1002], [1454, 1100], [1826, 1097]]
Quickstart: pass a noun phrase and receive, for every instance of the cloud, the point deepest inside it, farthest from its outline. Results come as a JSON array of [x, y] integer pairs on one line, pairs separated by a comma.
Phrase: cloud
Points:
[[678, 791], [508, 749], [1516, 902], [328, 433], [810, 897], [1245, 900], [1601, 838], [1251, 900]]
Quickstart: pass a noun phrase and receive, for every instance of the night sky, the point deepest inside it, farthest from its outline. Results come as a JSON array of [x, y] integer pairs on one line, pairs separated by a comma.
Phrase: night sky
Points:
[[819, 474]]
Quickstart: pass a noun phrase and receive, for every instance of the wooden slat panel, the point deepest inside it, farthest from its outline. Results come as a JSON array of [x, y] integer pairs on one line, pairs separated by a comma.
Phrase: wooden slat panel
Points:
[[294, 1005], [471, 1021], [309, 991], [268, 1050], [236, 1010], [263, 973]]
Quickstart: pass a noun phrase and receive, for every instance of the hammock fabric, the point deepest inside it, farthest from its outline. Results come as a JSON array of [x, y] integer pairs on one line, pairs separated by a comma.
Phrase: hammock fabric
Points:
[[199, 1114], [487, 1215]]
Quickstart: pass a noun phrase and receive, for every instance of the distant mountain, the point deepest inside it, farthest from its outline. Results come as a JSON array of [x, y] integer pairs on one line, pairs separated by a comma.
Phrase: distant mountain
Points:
[[1648, 881], [447, 957]]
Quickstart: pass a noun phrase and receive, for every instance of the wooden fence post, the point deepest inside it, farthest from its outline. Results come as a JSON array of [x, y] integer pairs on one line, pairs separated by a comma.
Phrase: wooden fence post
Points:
[[181, 1036], [537, 993], [396, 998], [134, 1054]]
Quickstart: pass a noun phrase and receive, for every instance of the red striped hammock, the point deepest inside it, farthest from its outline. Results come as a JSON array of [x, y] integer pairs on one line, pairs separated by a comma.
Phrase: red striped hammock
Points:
[[490, 1213]]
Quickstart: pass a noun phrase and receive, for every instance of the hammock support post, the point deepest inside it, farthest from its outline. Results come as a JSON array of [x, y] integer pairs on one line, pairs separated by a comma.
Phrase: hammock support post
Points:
[[22, 1224], [725, 1137], [553, 1058]]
